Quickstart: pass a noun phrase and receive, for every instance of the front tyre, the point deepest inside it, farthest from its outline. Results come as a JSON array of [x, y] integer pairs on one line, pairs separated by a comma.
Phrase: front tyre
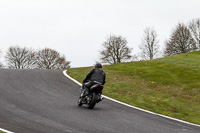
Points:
[[93, 101]]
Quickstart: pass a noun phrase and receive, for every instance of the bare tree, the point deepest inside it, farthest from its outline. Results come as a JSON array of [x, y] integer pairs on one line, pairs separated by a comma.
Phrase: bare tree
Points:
[[115, 50], [20, 58], [181, 41], [149, 46], [194, 27], [62, 63], [51, 59]]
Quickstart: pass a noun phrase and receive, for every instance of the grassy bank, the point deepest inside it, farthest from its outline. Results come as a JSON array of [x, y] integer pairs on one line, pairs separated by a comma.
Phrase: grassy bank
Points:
[[169, 86]]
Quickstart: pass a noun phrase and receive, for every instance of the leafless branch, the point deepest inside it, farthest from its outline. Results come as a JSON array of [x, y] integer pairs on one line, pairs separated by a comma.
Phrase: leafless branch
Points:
[[115, 50], [51, 59], [149, 46], [20, 58], [181, 41], [194, 27]]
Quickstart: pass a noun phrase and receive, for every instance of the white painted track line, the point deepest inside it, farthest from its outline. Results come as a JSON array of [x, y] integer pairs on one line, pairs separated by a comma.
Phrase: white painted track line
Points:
[[65, 73], [1, 129]]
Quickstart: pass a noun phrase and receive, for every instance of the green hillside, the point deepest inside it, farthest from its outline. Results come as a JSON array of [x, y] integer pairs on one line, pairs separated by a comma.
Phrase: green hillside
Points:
[[170, 86]]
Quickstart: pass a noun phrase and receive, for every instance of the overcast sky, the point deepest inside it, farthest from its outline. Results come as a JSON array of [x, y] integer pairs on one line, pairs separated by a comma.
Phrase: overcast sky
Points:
[[77, 28]]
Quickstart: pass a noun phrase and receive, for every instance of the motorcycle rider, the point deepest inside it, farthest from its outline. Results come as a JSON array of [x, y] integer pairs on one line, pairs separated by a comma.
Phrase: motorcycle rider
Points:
[[96, 75]]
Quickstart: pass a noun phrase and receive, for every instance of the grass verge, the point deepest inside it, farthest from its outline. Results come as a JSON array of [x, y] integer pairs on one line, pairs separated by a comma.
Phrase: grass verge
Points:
[[169, 86]]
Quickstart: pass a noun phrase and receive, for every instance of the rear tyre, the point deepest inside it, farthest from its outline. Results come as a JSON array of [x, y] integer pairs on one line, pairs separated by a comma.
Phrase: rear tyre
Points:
[[93, 101], [80, 102]]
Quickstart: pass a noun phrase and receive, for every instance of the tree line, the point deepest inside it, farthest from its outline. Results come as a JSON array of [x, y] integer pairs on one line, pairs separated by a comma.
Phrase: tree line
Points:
[[26, 58], [183, 39]]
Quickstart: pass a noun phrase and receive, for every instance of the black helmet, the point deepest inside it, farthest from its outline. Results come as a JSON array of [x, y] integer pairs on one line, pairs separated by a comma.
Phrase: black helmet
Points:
[[98, 65]]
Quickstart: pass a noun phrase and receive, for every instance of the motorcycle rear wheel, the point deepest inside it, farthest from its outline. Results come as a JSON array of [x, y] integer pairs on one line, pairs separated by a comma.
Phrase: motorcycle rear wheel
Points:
[[93, 101]]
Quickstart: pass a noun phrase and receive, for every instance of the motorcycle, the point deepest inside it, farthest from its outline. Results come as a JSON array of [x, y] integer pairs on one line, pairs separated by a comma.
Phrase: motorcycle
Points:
[[93, 97]]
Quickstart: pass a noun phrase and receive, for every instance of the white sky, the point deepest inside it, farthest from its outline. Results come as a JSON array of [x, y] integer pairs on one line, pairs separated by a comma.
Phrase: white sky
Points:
[[77, 28]]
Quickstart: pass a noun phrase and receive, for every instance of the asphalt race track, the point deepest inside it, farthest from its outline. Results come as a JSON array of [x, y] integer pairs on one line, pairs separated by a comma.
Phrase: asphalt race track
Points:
[[45, 101]]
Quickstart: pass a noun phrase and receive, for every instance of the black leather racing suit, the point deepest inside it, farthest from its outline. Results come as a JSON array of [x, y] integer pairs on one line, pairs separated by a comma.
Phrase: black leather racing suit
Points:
[[96, 74]]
